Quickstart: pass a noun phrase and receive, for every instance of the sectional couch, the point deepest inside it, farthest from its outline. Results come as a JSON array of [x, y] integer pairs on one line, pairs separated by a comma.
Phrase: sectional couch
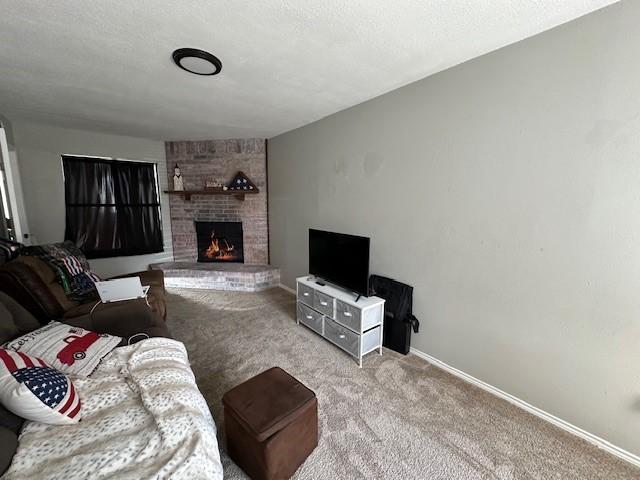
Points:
[[32, 283], [142, 413]]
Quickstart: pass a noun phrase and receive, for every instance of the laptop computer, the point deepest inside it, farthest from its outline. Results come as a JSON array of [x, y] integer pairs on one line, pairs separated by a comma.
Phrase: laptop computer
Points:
[[120, 289]]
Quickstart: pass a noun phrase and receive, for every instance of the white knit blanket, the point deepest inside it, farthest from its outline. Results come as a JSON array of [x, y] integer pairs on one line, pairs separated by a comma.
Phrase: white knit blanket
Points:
[[142, 417]]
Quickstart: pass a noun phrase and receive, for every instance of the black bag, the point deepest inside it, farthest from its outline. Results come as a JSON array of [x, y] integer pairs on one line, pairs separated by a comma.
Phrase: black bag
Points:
[[398, 315]]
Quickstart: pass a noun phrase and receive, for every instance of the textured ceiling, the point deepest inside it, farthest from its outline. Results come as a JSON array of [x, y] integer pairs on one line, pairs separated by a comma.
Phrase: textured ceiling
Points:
[[106, 65]]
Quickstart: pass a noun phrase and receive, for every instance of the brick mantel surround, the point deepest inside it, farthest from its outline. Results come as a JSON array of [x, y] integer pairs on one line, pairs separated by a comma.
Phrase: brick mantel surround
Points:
[[219, 160]]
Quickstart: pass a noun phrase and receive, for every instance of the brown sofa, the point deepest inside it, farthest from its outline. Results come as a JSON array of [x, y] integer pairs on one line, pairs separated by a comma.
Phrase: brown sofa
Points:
[[33, 284], [122, 320]]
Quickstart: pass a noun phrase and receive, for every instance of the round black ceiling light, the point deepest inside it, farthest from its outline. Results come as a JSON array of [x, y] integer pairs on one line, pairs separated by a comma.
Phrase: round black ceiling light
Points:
[[197, 61]]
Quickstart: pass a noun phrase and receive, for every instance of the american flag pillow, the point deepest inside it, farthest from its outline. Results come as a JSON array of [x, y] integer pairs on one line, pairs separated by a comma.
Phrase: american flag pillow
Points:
[[33, 390]]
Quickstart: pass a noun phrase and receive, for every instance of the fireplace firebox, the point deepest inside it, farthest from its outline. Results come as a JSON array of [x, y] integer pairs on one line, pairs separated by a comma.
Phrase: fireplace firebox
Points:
[[220, 242]]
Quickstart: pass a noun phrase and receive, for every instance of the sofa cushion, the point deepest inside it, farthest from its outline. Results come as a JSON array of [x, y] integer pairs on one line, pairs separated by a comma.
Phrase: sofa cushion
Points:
[[124, 319], [8, 329], [155, 297], [10, 420], [21, 282], [48, 276], [40, 268], [8, 447], [70, 267], [33, 390], [16, 315]]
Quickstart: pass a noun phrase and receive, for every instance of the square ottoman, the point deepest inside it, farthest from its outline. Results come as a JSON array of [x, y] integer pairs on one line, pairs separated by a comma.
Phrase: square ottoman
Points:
[[271, 422]]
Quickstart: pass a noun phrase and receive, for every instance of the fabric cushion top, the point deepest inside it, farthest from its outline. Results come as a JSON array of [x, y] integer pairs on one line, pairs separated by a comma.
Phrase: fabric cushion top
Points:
[[268, 402]]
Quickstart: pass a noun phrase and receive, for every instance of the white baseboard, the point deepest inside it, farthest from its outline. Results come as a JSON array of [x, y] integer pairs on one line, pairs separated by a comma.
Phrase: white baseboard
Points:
[[558, 422], [284, 287]]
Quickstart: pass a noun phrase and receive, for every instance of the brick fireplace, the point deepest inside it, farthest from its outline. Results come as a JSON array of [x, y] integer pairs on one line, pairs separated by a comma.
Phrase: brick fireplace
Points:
[[218, 160]]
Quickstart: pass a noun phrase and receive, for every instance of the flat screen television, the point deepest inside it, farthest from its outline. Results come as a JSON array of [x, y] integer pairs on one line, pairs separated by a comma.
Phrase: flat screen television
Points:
[[340, 259]]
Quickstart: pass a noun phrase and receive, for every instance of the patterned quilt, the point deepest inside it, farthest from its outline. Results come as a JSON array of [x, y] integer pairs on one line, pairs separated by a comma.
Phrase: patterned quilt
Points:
[[143, 417]]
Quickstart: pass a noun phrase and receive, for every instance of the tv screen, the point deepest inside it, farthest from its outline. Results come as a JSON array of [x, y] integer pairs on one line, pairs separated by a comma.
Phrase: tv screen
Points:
[[340, 259]]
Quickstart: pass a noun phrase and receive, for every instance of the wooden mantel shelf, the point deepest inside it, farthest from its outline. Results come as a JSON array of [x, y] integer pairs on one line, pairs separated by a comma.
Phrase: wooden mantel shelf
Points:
[[239, 194]]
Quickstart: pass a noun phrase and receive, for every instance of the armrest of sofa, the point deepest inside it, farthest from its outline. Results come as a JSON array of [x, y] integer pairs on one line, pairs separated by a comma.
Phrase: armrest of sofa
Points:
[[156, 295], [154, 278]]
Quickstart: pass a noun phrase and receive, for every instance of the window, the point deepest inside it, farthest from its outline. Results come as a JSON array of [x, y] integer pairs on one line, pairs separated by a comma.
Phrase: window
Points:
[[112, 206]]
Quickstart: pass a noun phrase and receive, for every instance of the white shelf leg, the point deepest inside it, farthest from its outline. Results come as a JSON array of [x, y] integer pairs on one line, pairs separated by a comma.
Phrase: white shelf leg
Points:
[[381, 328]]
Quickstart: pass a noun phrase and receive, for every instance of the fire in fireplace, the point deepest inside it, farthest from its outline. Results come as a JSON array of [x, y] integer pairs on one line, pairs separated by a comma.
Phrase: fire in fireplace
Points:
[[219, 242]]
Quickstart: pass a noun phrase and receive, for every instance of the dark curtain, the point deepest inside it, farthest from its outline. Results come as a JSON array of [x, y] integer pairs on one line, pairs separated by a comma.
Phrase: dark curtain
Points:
[[112, 206]]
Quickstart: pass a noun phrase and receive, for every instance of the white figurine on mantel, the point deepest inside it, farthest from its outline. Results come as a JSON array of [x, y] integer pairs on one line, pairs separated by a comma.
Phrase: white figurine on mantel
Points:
[[178, 182]]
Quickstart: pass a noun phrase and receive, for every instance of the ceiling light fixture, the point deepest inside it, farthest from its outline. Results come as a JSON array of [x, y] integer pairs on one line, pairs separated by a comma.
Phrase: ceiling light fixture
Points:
[[197, 61]]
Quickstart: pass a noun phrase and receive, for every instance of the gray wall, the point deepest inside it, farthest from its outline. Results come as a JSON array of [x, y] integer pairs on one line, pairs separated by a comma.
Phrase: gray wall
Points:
[[507, 191], [39, 149]]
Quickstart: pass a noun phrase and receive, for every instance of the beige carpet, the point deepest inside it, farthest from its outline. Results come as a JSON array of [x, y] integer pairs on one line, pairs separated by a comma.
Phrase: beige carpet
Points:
[[396, 418]]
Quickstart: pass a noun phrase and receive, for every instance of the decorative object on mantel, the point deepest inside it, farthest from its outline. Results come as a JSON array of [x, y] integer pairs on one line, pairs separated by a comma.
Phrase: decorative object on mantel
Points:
[[238, 187], [241, 183], [213, 185], [178, 181]]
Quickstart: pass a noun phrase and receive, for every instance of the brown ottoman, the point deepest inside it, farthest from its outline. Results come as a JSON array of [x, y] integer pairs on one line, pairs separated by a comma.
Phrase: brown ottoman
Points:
[[271, 421]]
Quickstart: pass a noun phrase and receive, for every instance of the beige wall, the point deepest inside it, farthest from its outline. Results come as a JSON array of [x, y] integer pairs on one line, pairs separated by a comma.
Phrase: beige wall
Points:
[[39, 149], [507, 191]]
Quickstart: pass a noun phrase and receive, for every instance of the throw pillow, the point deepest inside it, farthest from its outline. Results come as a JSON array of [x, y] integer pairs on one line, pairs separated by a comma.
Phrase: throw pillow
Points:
[[33, 390], [72, 350]]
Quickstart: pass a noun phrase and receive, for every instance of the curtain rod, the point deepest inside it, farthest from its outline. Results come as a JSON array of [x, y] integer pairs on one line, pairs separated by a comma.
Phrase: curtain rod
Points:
[[110, 159]]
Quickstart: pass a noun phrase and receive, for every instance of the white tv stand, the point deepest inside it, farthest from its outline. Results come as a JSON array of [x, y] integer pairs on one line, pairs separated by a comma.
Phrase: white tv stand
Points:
[[355, 327]]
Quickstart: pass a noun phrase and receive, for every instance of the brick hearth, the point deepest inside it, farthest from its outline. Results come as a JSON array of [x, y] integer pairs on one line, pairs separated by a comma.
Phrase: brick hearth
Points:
[[219, 276], [219, 160]]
